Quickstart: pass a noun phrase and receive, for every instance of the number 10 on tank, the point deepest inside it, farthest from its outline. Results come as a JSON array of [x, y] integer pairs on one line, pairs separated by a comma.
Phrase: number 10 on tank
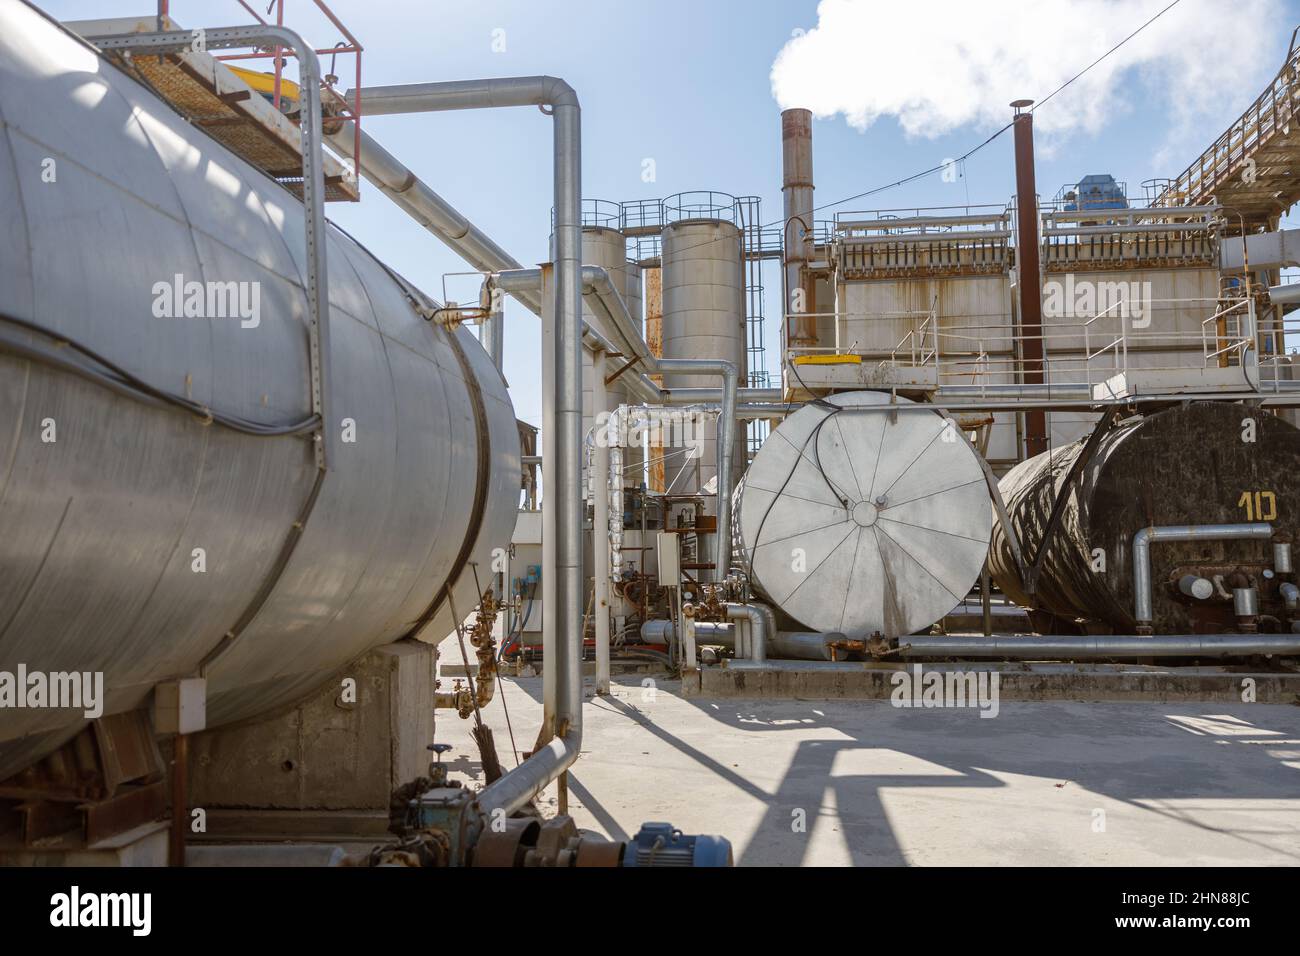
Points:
[[1259, 505]]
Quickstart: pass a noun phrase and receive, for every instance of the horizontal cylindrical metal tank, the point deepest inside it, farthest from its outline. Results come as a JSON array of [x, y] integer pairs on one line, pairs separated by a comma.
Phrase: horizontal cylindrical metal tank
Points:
[[703, 317], [856, 519], [1193, 464], [136, 536]]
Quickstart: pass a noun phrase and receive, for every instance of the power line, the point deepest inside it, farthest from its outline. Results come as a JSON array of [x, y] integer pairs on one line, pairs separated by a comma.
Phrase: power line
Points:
[[967, 155], [1106, 54]]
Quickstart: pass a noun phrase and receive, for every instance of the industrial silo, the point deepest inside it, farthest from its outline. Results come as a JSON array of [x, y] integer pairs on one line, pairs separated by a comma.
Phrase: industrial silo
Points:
[[703, 317], [148, 541]]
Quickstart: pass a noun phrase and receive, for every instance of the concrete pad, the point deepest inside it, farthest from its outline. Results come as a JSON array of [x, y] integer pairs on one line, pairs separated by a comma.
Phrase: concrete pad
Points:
[[873, 680], [860, 782]]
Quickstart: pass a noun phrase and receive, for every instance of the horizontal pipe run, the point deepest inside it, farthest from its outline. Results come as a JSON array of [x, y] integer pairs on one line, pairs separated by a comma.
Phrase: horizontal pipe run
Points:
[[493, 92], [421, 203], [1094, 647], [792, 645], [695, 396]]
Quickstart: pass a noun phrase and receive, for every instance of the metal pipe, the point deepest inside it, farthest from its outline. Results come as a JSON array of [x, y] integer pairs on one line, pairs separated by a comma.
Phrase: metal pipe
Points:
[[564, 441], [756, 646], [794, 645], [493, 339], [1282, 557], [726, 450], [430, 210], [696, 396], [1195, 586], [600, 523], [519, 282], [1145, 537], [1101, 646], [1287, 294]]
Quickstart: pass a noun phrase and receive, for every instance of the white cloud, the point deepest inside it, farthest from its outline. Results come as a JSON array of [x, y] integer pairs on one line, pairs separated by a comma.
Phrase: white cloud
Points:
[[937, 65]]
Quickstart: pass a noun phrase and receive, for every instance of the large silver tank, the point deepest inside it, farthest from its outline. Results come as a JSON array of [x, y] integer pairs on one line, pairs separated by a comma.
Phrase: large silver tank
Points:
[[100, 526], [703, 317], [863, 521]]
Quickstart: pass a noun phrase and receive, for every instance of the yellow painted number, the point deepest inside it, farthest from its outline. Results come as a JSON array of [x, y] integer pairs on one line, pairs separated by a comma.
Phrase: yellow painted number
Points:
[[1259, 505]]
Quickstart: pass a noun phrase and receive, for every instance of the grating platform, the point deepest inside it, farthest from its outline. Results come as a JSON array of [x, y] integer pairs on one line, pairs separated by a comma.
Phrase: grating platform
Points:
[[212, 97]]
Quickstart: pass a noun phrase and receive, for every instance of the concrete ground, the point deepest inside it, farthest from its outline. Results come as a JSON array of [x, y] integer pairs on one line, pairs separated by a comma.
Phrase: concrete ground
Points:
[[860, 782]]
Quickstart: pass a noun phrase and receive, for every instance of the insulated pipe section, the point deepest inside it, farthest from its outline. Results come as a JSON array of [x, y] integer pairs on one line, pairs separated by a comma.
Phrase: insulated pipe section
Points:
[[792, 645], [756, 646], [1095, 647], [1143, 540], [518, 786], [601, 548], [1291, 595], [713, 396]]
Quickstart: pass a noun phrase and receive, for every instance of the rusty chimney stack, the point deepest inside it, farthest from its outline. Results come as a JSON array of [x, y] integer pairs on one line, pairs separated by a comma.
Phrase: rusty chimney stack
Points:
[[797, 190], [1028, 279]]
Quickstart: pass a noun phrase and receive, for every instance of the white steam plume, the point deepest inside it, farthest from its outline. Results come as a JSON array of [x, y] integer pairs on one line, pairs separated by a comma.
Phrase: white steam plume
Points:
[[940, 64]]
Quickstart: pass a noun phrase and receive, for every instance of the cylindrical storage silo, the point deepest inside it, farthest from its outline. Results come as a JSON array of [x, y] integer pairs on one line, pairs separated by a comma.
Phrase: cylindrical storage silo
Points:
[[858, 519], [1206, 463], [703, 317], [137, 539]]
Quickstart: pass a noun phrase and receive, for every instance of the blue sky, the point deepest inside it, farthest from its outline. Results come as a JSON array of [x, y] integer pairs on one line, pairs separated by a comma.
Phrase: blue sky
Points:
[[687, 84]]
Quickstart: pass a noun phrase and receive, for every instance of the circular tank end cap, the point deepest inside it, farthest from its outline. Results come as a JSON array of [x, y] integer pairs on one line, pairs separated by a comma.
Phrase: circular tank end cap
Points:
[[865, 514]]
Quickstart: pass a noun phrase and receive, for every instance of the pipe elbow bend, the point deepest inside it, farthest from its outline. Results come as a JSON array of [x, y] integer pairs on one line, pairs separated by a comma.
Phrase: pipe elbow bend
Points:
[[559, 93]]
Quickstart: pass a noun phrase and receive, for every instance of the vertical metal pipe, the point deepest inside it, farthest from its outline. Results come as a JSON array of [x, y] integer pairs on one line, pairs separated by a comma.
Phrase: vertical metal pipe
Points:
[[986, 602], [493, 339], [562, 503], [726, 448], [598, 480], [568, 368], [797, 193], [1028, 279], [552, 643]]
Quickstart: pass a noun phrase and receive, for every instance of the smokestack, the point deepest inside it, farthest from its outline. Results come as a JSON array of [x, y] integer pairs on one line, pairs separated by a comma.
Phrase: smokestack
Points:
[[1028, 280], [797, 191]]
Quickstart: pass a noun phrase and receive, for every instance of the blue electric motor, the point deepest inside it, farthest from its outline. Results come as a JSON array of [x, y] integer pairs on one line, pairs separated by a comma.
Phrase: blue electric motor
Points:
[[658, 844]]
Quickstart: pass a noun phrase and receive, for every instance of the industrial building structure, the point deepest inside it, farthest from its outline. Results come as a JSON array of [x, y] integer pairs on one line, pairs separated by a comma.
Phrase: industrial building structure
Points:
[[1085, 402]]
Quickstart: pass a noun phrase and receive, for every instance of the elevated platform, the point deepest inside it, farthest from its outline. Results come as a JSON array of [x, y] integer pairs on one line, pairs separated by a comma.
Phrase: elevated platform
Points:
[[1252, 167], [218, 101]]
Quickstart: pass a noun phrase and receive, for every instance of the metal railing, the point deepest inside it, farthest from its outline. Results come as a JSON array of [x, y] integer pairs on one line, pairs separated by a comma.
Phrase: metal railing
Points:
[[1272, 111], [1089, 352]]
